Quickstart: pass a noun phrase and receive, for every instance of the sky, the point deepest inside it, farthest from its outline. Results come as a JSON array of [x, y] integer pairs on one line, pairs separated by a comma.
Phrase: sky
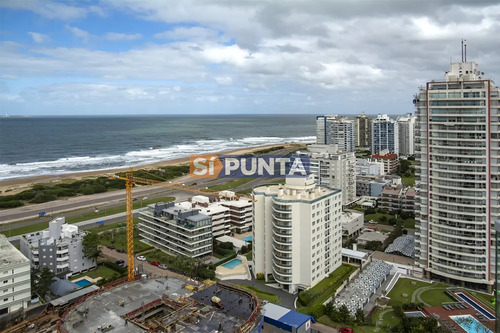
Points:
[[93, 57]]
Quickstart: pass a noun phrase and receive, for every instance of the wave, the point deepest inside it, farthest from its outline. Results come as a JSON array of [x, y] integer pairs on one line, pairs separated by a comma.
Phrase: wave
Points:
[[151, 155]]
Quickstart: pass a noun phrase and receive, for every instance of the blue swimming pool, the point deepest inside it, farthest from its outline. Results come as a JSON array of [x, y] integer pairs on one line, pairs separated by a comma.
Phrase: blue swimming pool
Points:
[[470, 324], [476, 306], [247, 239], [232, 264], [83, 283], [415, 314]]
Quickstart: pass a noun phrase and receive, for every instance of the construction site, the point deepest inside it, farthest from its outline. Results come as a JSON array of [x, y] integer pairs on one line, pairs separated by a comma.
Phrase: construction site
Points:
[[163, 304]]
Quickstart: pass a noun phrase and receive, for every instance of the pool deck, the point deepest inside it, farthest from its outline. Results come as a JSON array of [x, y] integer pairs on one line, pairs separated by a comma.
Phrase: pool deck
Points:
[[443, 315], [87, 278], [240, 272]]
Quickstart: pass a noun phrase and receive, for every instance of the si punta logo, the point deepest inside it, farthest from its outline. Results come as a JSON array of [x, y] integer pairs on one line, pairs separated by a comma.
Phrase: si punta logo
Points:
[[239, 166]]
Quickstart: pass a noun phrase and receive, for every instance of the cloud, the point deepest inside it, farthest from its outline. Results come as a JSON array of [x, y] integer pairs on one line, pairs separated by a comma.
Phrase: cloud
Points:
[[272, 53], [52, 9], [77, 32], [115, 36], [189, 33], [39, 38]]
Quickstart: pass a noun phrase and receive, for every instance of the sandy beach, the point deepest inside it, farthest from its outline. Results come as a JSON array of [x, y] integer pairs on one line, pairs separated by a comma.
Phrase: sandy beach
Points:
[[17, 185]]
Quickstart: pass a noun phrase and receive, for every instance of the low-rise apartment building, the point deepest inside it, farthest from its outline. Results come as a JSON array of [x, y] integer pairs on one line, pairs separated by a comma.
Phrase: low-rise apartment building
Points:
[[352, 222], [59, 248], [372, 186], [390, 161], [397, 198], [176, 229], [15, 278]]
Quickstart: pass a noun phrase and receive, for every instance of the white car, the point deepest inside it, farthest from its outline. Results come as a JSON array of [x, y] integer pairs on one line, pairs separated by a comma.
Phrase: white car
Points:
[[141, 258]]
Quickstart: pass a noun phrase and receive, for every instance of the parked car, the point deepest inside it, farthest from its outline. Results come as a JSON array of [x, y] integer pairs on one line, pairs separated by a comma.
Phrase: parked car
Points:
[[120, 250], [141, 258], [346, 330], [162, 266], [119, 262], [155, 263], [111, 247]]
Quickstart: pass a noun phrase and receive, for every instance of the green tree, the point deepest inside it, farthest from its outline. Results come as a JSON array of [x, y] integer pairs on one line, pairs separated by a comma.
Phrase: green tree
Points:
[[41, 279], [345, 316], [404, 166], [359, 316], [91, 245]]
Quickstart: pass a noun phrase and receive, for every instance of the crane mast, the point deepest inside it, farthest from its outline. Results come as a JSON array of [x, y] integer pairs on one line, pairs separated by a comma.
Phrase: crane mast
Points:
[[129, 183]]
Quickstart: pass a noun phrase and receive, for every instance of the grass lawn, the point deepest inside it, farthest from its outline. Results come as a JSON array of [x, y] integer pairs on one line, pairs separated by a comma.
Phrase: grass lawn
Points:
[[485, 298], [325, 320], [101, 271], [404, 286], [265, 295], [82, 217], [328, 286], [390, 319], [121, 243], [249, 255], [408, 181], [436, 297], [230, 184], [248, 191]]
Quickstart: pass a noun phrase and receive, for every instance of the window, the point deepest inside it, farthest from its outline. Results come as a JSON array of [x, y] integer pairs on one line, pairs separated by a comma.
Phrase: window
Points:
[[5, 281]]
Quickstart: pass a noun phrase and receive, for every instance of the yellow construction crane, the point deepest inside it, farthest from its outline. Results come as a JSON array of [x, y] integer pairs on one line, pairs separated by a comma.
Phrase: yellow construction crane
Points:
[[129, 183]]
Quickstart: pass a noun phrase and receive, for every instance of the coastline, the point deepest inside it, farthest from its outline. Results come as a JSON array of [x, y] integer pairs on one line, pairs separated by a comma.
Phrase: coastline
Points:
[[17, 185]]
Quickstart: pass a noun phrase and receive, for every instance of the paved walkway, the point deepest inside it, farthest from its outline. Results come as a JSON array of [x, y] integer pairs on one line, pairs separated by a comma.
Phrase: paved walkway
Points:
[[417, 294]]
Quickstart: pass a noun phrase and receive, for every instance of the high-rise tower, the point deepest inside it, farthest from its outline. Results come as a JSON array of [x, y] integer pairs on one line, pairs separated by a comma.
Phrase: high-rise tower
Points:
[[335, 130], [458, 179]]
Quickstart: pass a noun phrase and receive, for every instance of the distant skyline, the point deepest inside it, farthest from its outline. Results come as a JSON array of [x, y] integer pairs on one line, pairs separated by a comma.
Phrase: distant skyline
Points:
[[228, 57]]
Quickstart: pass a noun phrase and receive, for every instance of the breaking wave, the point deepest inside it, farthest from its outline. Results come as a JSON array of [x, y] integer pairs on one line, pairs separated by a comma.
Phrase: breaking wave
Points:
[[136, 158]]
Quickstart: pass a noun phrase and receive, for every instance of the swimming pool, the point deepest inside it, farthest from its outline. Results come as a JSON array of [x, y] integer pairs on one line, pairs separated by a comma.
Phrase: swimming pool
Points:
[[247, 239], [82, 283], [232, 264], [476, 306], [415, 314], [470, 324]]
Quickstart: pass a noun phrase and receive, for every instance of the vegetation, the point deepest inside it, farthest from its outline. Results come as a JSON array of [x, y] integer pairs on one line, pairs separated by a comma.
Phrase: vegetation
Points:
[[90, 245], [267, 150], [229, 185], [83, 217], [160, 174], [407, 172], [118, 238], [41, 279], [363, 153], [414, 324], [265, 295], [181, 264], [101, 271], [40, 193], [407, 287], [324, 289]]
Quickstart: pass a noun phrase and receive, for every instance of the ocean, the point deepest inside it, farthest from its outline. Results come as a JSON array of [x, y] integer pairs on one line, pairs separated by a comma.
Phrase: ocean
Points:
[[36, 146]]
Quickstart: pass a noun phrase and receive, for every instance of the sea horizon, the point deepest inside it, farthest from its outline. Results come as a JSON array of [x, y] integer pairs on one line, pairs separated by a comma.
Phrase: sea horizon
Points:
[[53, 145]]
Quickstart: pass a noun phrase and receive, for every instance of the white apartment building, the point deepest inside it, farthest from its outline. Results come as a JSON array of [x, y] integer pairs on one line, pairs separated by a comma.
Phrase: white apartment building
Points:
[[297, 232], [362, 131], [369, 167], [176, 230], [230, 214], [458, 178], [384, 134], [58, 248], [15, 278], [334, 169], [352, 222], [406, 133], [335, 130]]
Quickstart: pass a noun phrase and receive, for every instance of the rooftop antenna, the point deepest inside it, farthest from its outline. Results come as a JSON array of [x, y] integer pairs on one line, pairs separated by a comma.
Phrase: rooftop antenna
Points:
[[465, 49], [462, 50]]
